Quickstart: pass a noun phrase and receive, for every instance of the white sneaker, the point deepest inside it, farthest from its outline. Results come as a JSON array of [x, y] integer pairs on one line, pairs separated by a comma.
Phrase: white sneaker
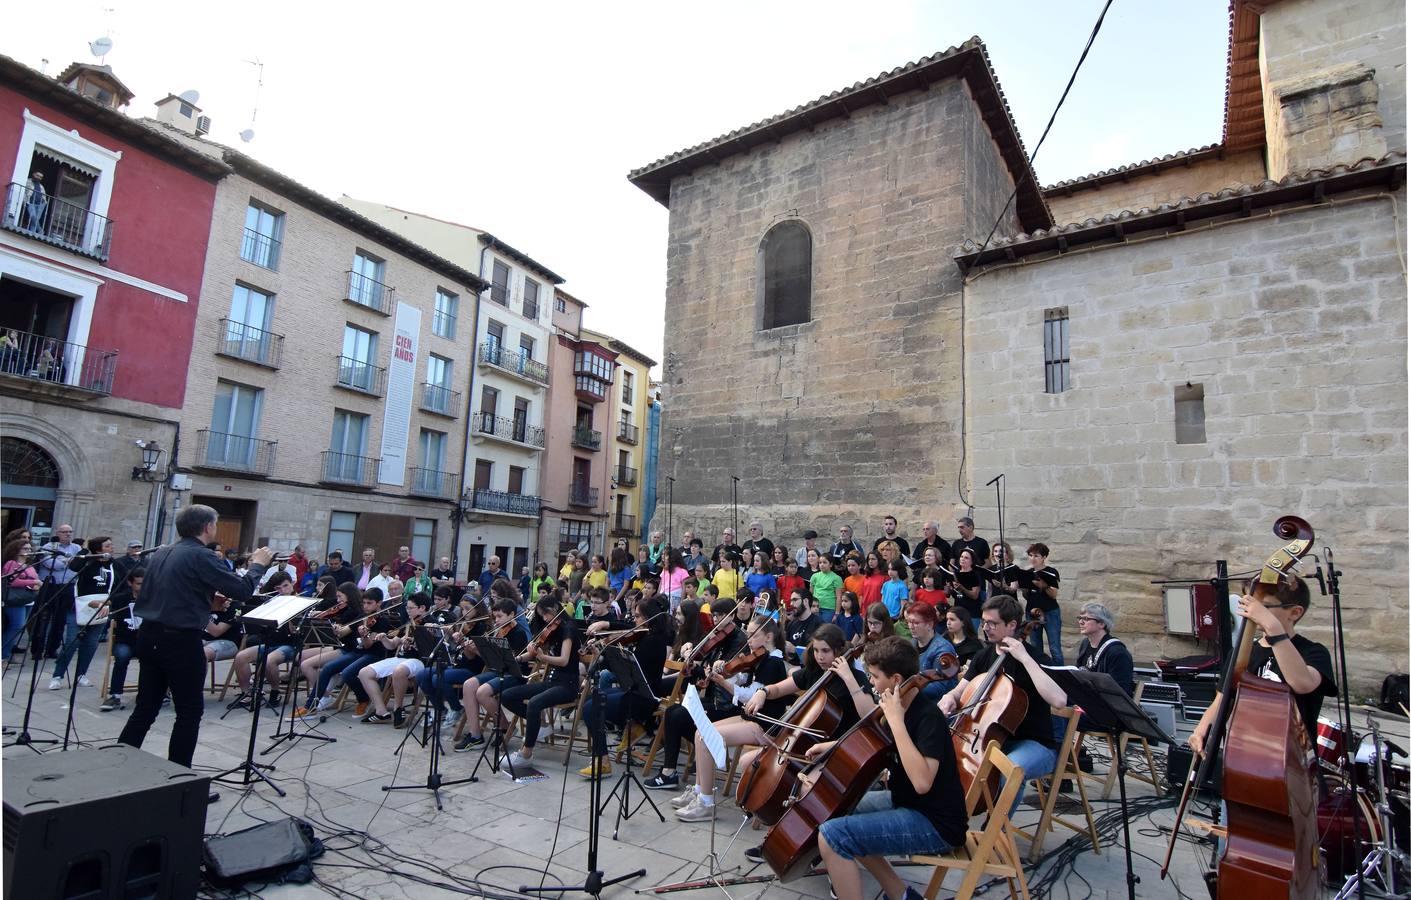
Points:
[[324, 703], [84, 682], [696, 811], [55, 683], [683, 799], [518, 762]]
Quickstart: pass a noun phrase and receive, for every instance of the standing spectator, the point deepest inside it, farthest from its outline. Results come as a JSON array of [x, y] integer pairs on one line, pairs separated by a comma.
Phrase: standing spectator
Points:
[[874, 575], [125, 564], [825, 586], [978, 546], [93, 584], [673, 576], [759, 544], [853, 579], [727, 543], [810, 542], [366, 570], [25, 585], [889, 533], [225, 560], [285, 567], [404, 566], [843, 546], [382, 578], [525, 584], [301, 563], [930, 591], [441, 576], [420, 583], [930, 537], [695, 555], [336, 570], [53, 570], [727, 579], [1040, 585], [655, 549], [492, 571], [687, 537], [760, 579], [539, 583], [36, 204], [896, 590], [620, 572], [308, 582], [597, 577]]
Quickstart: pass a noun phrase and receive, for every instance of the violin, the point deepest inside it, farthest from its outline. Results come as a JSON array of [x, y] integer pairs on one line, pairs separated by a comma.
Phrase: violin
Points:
[[333, 611], [541, 640], [1271, 797], [845, 773], [743, 661], [991, 709]]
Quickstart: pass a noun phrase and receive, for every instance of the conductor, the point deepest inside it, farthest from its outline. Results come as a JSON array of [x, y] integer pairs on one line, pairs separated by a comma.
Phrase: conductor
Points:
[[175, 607]]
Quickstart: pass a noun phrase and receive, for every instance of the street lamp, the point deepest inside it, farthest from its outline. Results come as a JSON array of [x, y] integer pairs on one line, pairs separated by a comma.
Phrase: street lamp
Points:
[[151, 456]]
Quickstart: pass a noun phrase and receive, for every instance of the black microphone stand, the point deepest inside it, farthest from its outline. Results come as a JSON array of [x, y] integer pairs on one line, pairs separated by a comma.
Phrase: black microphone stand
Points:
[[73, 682], [1345, 718], [501, 663], [39, 623], [249, 769], [280, 735], [434, 783]]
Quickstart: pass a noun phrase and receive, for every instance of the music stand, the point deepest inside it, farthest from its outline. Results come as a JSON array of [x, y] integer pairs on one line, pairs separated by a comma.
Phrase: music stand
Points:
[[430, 646], [270, 616], [624, 666], [499, 661], [1110, 710], [325, 637]]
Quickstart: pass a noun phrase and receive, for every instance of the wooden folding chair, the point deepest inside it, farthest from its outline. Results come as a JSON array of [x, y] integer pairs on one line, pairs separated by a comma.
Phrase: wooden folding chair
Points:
[[1119, 746], [1047, 787], [551, 734], [670, 700], [230, 671], [990, 851]]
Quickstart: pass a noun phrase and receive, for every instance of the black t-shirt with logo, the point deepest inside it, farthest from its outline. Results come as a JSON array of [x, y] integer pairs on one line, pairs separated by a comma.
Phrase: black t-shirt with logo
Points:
[[1263, 664]]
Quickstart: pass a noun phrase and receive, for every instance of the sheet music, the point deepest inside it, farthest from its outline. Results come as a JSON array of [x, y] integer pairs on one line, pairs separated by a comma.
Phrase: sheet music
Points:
[[280, 610], [713, 741]]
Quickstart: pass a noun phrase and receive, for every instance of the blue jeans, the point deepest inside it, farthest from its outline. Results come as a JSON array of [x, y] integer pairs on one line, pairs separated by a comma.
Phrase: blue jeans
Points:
[[1053, 628], [123, 652], [346, 663], [826, 615], [442, 693], [87, 648], [1034, 758], [878, 828], [15, 619]]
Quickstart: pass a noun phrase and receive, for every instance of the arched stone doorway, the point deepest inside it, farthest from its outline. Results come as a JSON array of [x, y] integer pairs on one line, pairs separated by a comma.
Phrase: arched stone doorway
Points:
[[29, 486]]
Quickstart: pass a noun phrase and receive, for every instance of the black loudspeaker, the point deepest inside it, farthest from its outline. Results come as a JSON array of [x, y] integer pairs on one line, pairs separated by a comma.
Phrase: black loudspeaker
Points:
[[1178, 767], [102, 825]]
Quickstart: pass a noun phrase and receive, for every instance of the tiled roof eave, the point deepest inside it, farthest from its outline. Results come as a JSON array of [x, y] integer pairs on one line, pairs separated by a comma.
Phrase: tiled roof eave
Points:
[[1241, 200]]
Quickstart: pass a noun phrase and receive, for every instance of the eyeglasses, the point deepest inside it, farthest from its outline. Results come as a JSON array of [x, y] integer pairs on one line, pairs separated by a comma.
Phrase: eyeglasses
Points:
[[1086, 619]]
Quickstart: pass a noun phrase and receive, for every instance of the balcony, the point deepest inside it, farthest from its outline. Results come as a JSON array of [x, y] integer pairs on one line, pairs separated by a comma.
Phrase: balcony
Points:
[[431, 483], [512, 431], [624, 524], [513, 362], [582, 495], [507, 504], [58, 222], [260, 249], [589, 388], [626, 476], [365, 378], [48, 367], [627, 432], [500, 293], [234, 453], [369, 292], [587, 438], [349, 470], [440, 400], [251, 344]]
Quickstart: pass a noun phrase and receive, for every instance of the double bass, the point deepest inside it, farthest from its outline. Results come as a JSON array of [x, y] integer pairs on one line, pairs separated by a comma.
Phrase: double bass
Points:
[[1271, 847]]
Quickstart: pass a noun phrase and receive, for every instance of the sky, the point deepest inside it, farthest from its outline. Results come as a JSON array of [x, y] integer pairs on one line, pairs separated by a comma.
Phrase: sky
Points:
[[523, 119]]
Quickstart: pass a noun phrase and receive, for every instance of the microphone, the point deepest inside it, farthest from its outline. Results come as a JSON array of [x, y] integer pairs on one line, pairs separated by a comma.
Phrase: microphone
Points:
[[993, 480], [151, 550], [1318, 574]]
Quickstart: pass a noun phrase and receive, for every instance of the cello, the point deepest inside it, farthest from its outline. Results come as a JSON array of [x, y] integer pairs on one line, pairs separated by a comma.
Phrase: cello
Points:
[[847, 772], [991, 709], [1271, 848]]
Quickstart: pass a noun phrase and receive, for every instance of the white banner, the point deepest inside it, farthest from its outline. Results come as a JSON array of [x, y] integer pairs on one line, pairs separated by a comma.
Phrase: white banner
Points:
[[401, 381]]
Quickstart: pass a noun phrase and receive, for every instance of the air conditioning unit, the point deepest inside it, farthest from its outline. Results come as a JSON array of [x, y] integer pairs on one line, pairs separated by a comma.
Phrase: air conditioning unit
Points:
[[203, 125]]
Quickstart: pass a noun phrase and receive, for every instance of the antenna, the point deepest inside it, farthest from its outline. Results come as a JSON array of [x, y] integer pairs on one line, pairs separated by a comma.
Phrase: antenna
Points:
[[248, 134], [101, 47]]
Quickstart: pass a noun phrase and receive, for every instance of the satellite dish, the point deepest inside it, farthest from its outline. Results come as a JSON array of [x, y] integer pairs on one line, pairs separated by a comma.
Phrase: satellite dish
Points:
[[101, 47], [193, 97], [247, 135]]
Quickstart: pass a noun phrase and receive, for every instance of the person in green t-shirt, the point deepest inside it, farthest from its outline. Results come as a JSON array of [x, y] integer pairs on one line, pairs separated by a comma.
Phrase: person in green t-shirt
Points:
[[825, 585]]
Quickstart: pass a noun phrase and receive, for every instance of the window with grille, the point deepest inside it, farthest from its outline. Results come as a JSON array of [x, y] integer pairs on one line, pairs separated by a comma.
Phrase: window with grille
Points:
[[1056, 379]]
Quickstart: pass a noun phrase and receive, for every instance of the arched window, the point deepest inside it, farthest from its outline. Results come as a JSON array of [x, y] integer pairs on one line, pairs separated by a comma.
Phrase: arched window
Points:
[[27, 465], [786, 258]]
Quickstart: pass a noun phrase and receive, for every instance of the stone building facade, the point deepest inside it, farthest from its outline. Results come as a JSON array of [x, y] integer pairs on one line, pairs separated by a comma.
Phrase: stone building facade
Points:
[[1235, 320]]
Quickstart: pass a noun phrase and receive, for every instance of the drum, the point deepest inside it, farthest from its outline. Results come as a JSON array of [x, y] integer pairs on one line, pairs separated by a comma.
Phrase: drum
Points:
[[1332, 744], [1349, 828]]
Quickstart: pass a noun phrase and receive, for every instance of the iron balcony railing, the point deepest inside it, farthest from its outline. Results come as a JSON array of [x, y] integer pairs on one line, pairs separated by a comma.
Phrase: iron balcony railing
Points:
[[531, 308], [440, 400], [518, 362], [356, 375], [582, 495], [443, 324], [491, 425], [432, 483], [235, 452], [502, 502], [627, 432], [249, 343], [623, 523], [346, 468], [42, 358], [36, 214], [369, 292], [587, 438], [260, 249], [626, 476]]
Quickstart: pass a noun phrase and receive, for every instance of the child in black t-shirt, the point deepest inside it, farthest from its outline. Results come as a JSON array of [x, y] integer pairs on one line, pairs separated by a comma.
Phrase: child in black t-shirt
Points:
[[923, 811]]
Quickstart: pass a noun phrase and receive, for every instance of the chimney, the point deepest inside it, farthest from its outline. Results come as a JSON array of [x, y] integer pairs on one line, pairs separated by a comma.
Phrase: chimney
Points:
[[183, 113]]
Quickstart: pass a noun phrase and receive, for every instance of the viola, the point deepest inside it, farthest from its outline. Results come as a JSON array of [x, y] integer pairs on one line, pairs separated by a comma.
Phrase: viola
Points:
[[844, 775], [770, 778], [1272, 847], [991, 709]]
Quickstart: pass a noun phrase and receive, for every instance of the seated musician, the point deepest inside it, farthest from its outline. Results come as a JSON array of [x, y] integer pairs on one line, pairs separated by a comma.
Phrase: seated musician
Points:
[[222, 631], [483, 691], [1281, 655], [402, 666], [465, 662], [676, 722], [602, 613], [1033, 747], [800, 624], [690, 627], [560, 684], [921, 619], [281, 647], [354, 652], [630, 711], [923, 808], [443, 610], [1099, 651]]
